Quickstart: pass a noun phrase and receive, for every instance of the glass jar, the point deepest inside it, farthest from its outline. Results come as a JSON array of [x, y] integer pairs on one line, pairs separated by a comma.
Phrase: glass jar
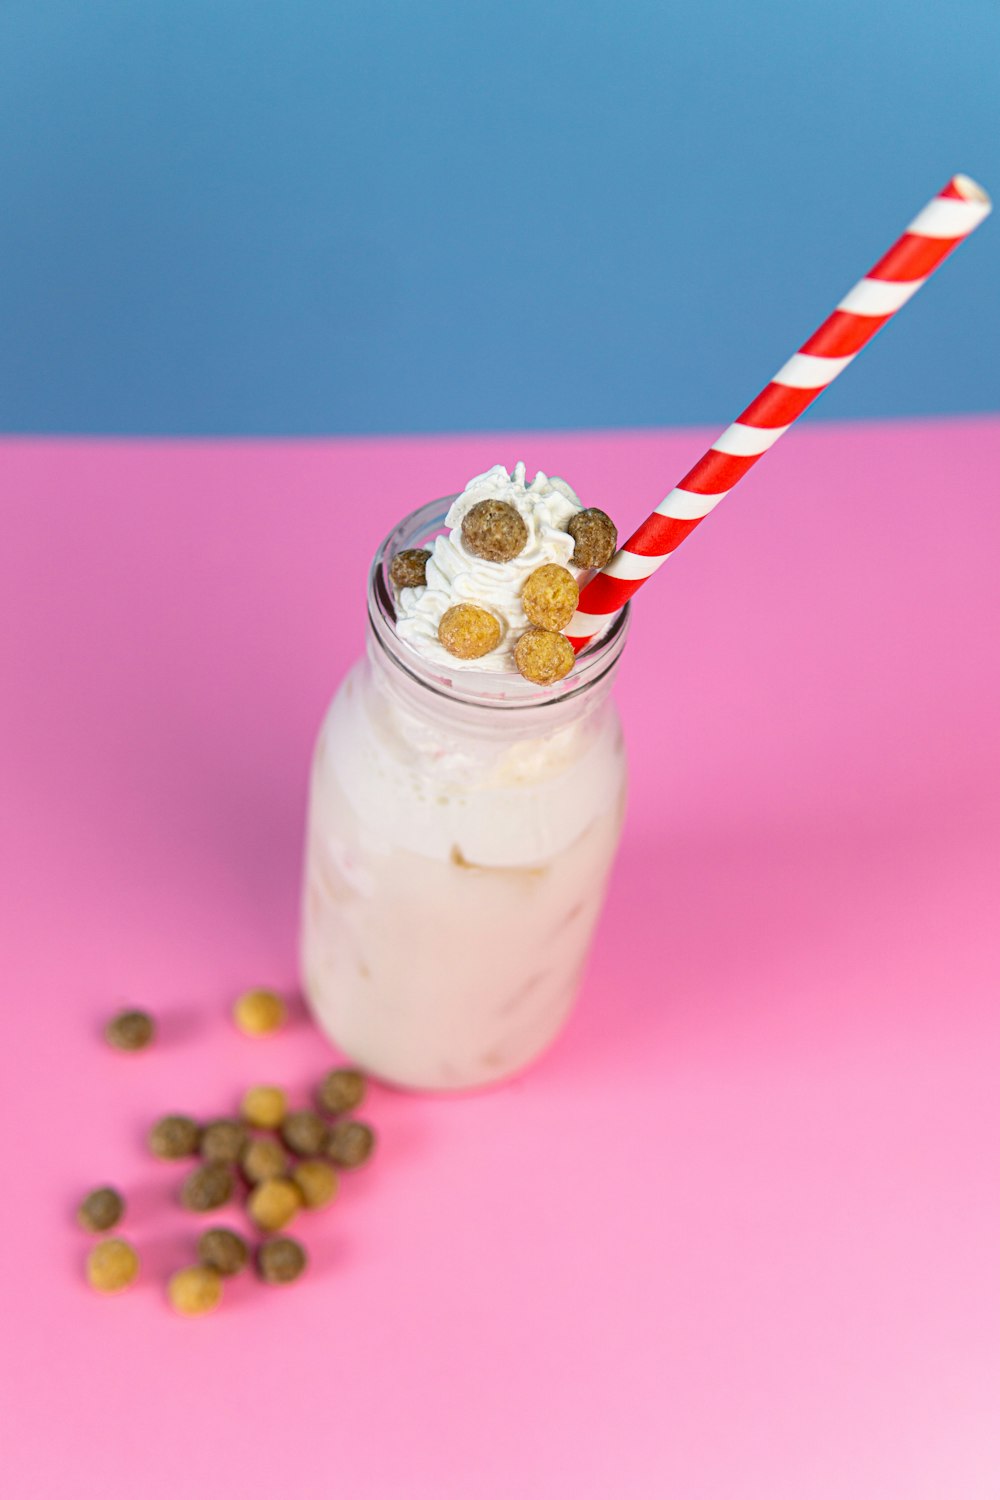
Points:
[[461, 829]]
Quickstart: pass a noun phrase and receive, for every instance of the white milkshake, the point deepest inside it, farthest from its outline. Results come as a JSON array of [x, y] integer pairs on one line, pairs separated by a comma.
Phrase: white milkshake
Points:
[[462, 820]]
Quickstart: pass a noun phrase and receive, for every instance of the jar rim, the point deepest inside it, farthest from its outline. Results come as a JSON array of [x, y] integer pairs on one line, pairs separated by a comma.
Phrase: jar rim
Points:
[[507, 691]]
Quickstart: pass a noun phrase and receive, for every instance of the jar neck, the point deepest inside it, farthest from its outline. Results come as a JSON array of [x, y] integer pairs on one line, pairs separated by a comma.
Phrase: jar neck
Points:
[[484, 701]]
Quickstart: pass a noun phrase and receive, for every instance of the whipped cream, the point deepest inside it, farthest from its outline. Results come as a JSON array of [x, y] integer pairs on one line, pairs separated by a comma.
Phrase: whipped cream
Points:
[[456, 576]]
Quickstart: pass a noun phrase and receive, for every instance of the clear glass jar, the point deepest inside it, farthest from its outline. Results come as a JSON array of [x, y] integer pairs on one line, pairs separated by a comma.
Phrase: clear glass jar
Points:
[[461, 830]]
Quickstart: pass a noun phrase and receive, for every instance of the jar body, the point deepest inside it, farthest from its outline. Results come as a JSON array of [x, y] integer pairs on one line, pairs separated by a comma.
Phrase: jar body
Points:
[[454, 874]]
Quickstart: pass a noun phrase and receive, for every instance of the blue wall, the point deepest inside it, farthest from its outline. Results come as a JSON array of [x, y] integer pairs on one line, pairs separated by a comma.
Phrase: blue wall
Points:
[[310, 216]]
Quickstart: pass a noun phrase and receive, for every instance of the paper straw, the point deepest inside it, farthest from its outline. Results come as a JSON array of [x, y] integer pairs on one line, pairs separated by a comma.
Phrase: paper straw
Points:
[[946, 221]]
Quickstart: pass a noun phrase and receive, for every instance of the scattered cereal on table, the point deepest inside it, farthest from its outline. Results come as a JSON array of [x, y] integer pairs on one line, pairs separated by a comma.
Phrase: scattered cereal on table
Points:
[[130, 1030], [100, 1210], [280, 1261], [195, 1290], [259, 1011], [112, 1265]]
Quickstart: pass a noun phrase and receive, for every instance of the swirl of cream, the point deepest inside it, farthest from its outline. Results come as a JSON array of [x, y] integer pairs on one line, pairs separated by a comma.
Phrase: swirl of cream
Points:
[[457, 576]]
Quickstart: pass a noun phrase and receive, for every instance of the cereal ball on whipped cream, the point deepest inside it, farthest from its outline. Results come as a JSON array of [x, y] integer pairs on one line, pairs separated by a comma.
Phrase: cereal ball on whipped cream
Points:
[[467, 631], [549, 596], [494, 531], [408, 569], [543, 656], [596, 538]]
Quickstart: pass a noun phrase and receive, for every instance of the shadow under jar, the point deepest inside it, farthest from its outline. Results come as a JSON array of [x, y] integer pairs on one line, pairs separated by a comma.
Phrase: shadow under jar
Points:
[[461, 829]]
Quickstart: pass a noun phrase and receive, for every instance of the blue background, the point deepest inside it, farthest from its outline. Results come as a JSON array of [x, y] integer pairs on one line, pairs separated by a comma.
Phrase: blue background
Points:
[[323, 216]]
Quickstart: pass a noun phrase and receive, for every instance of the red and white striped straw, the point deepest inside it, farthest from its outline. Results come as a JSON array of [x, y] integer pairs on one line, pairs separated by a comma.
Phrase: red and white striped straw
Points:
[[946, 221]]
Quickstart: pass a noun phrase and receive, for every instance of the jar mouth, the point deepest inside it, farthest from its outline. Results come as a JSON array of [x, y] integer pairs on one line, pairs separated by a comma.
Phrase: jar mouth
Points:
[[504, 690]]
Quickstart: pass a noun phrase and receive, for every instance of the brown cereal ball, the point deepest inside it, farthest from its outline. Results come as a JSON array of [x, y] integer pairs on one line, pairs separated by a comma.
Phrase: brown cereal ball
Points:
[[274, 1203], [223, 1140], [549, 596], [259, 1011], [468, 632], [223, 1250], [340, 1091], [280, 1261], [350, 1143], [262, 1158], [264, 1107], [174, 1136], [100, 1210], [596, 538], [494, 531], [112, 1265], [208, 1186], [543, 656], [317, 1182], [130, 1031], [304, 1132], [195, 1290], [408, 569]]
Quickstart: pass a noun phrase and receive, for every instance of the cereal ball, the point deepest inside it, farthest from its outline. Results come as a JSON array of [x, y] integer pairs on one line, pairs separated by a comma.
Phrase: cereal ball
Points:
[[130, 1031], [259, 1011], [340, 1091], [350, 1143], [112, 1265], [100, 1210], [174, 1136], [317, 1182], [223, 1250], [543, 656], [223, 1140], [468, 631], [549, 596], [408, 569], [195, 1290], [209, 1186], [596, 538], [280, 1260], [494, 531], [274, 1203], [262, 1158], [264, 1107], [304, 1132]]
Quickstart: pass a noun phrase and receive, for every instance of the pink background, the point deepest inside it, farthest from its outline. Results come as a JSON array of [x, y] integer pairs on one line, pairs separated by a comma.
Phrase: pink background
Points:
[[739, 1234]]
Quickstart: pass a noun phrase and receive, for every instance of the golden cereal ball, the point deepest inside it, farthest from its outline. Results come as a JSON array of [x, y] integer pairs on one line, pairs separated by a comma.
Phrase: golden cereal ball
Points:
[[274, 1203], [468, 632], [259, 1011], [195, 1290], [112, 1265], [408, 569], [264, 1157], [130, 1031], [549, 596], [223, 1250], [542, 656], [596, 538], [100, 1210], [317, 1182], [341, 1090], [264, 1107], [494, 530]]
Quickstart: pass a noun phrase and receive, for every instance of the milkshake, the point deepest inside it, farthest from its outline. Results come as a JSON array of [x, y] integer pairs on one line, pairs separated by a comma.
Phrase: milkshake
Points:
[[467, 794]]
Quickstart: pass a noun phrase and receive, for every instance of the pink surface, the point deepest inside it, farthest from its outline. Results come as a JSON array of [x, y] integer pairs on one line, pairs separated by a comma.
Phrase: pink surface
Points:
[[739, 1235]]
